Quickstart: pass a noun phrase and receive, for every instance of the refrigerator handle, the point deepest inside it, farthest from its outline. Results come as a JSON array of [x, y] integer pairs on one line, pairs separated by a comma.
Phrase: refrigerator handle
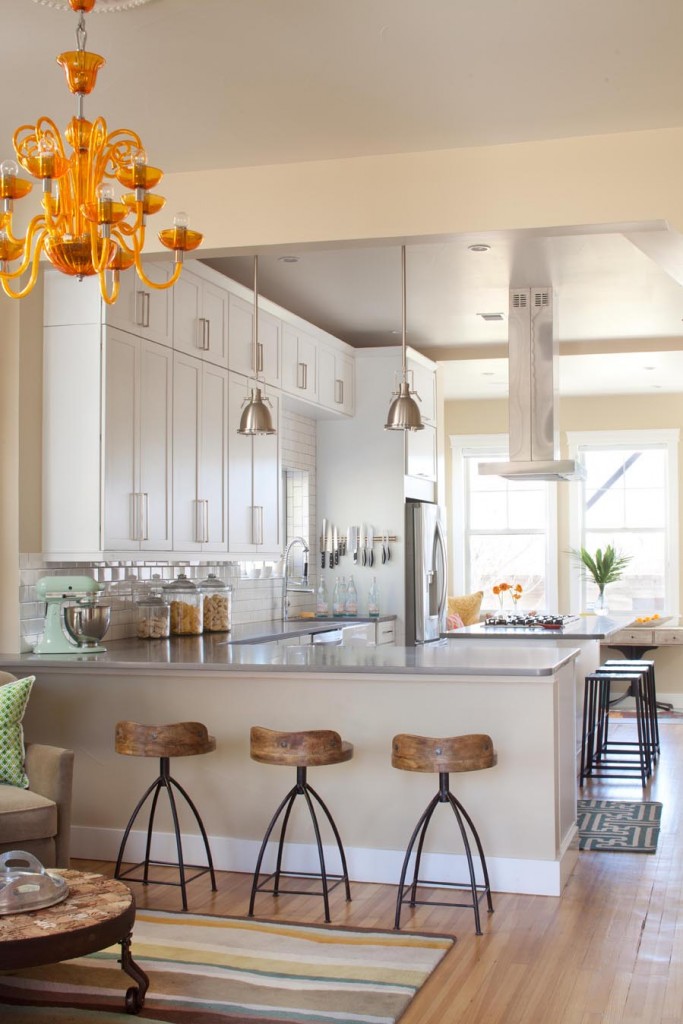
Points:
[[444, 588]]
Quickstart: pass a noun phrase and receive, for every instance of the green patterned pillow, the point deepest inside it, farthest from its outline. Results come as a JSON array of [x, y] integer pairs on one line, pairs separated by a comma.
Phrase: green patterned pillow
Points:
[[13, 700]]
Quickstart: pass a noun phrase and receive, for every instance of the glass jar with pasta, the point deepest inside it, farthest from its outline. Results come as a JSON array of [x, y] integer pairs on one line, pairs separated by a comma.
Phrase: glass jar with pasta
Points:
[[185, 601]]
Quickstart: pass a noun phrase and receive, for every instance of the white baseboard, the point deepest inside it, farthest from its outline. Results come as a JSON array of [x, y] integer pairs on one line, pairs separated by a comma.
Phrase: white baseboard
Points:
[[530, 877]]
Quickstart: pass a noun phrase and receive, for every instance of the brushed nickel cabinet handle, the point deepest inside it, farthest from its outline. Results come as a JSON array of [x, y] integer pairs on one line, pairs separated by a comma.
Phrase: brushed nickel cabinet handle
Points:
[[339, 391]]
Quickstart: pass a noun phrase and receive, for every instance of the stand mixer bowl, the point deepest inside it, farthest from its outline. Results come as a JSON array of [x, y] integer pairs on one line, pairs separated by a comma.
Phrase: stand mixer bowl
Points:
[[86, 622]]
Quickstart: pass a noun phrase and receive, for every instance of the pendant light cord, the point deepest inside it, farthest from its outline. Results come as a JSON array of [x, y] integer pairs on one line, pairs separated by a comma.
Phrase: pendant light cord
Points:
[[255, 323], [403, 311]]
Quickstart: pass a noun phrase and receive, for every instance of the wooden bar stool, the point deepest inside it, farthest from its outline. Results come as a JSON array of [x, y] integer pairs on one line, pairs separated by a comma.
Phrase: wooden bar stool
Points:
[[301, 750], [182, 739], [468, 753]]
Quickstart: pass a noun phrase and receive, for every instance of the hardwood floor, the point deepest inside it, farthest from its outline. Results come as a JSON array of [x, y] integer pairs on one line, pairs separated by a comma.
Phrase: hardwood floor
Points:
[[610, 949]]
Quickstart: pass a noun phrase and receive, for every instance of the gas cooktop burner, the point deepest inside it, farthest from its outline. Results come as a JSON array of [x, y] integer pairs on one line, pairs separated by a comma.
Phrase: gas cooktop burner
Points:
[[530, 621]]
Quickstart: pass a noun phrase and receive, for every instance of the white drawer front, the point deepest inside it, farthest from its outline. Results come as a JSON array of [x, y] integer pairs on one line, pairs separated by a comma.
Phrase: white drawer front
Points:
[[632, 636], [386, 632], [669, 636]]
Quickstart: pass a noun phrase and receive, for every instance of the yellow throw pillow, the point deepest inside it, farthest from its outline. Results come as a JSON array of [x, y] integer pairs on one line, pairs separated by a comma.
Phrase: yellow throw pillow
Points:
[[467, 607]]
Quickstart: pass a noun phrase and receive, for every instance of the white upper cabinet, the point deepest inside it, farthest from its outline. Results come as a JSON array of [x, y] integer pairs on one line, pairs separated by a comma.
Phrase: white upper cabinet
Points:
[[137, 444], [336, 385], [424, 382], [254, 484], [200, 318], [299, 363], [200, 462], [241, 344], [141, 310]]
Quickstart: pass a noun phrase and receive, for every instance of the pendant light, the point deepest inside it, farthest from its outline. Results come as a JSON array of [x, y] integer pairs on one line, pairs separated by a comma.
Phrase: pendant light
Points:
[[256, 418], [404, 413]]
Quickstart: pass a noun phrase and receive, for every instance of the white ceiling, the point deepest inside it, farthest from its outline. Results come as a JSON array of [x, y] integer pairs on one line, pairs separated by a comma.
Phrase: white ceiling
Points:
[[220, 83]]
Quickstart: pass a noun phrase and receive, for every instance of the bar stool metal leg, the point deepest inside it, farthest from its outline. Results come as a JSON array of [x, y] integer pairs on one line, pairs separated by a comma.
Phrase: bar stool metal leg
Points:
[[259, 860], [340, 846], [425, 816], [197, 817]]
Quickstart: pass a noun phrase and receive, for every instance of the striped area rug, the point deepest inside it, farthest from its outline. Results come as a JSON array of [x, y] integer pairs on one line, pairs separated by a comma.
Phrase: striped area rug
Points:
[[619, 827], [216, 970]]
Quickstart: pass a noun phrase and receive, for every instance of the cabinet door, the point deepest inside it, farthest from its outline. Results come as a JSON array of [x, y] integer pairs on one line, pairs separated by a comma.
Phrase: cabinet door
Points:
[[187, 304], [187, 385], [240, 341], [144, 311], [122, 509], [421, 452], [269, 348], [266, 487], [156, 404], [424, 382], [240, 496], [213, 462], [335, 380], [299, 363], [214, 324], [253, 481]]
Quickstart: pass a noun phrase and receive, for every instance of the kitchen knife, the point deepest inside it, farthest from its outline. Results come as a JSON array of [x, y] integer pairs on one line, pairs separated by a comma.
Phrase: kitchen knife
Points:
[[335, 547], [371, 541], [328, 546], [388, 548], [384, 546], [354, 544], [348, 543], [323, 537], [361, 544]]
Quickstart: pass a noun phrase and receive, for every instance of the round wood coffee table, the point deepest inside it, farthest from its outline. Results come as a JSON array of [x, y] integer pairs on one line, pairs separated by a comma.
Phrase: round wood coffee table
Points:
[[98, 912]]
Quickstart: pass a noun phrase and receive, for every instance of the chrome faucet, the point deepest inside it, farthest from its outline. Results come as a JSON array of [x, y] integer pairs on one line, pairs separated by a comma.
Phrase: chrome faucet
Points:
[[303, 587]]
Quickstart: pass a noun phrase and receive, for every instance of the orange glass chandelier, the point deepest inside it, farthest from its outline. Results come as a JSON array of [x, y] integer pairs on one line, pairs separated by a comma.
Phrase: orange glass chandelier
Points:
[[83, 228]]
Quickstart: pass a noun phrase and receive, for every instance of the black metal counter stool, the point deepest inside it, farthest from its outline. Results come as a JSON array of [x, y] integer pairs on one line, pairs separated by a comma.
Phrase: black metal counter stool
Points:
[[300, 750], [469, 753], [182, 739], [602, 757], [638, 665]]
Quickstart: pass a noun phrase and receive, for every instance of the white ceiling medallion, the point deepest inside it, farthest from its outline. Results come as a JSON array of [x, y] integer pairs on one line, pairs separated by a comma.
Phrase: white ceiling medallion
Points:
[[101, 7]]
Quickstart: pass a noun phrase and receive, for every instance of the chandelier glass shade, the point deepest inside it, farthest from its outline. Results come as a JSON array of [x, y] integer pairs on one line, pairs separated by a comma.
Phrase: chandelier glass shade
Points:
[[83, 228], [404, 413]]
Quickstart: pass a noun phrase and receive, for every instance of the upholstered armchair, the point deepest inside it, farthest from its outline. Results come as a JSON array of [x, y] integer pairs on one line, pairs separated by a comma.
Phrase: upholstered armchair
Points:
[[38, 819]]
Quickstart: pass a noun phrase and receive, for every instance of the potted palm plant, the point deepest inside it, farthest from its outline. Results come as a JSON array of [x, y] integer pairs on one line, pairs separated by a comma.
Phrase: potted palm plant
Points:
[[603, 567]]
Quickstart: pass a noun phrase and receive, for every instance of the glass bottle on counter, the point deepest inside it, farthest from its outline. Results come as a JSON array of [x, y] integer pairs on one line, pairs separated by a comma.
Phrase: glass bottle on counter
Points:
[[321, 605], [351, 607], [339, 596], [185, 601], [373, 599], [216, 604]]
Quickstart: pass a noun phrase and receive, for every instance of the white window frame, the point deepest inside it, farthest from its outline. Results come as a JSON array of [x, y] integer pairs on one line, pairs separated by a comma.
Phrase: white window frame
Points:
[[462, 447], [576, 439]]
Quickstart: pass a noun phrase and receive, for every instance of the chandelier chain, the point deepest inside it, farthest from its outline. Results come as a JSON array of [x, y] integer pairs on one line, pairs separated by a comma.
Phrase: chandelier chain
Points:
[[81, 33]]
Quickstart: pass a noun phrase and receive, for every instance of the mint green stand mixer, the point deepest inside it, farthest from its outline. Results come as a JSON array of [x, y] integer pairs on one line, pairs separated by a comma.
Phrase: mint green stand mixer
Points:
[[72, 607]]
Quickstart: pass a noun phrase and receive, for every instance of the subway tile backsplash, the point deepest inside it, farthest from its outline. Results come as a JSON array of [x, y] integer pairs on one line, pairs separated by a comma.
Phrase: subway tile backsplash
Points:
[[253, 600]]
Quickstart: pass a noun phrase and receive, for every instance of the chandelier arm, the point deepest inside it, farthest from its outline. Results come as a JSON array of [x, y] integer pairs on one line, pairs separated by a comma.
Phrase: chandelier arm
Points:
[[34, 272], [132, 229], [27, 241], [99, 265], [159, 285], [109, 297], [117, 235]]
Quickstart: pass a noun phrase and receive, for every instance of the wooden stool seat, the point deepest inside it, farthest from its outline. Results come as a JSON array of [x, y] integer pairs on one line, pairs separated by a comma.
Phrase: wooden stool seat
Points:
[[299, 749], [182, 739], [469, 753]]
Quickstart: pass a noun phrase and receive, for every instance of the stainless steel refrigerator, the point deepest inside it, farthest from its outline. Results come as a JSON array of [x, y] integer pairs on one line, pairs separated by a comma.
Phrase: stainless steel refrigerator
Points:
[[426, 572]]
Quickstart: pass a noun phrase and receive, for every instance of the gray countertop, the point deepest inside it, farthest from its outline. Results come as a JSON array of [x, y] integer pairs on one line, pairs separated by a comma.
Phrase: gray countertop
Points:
[[585, 627], [216, 654]]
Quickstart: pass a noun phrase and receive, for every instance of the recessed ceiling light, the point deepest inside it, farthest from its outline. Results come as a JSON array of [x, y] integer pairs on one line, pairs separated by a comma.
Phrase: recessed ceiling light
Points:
[[487, 373], [288, 259], [479, 247], [649, 367], [491, 316]]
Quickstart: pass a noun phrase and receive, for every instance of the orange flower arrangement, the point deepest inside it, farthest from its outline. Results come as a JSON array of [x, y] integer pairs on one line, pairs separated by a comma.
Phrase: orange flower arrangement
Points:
[[501, 589]]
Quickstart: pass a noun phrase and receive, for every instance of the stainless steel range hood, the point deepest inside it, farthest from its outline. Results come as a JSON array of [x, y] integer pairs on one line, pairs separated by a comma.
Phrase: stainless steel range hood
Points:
[[533, 368]]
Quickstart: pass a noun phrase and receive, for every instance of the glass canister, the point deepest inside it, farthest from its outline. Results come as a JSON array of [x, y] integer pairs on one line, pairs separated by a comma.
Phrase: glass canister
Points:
[[217, 604], [185, 601], [153, 614]]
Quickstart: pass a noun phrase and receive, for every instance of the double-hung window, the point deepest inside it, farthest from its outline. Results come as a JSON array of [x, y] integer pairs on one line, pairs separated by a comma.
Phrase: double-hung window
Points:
[[503, 531], [629, 499]]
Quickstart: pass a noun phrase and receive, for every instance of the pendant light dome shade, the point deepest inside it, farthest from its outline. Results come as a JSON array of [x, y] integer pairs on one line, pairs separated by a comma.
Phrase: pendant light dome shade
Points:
[[256, 418], [404, 413]]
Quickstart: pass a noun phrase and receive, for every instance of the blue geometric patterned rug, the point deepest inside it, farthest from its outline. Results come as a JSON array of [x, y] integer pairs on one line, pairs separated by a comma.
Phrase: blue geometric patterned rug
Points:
[[619, 827]]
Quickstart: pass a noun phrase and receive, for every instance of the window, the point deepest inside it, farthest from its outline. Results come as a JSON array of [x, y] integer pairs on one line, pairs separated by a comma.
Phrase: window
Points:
[[504, 531], [629, 499]]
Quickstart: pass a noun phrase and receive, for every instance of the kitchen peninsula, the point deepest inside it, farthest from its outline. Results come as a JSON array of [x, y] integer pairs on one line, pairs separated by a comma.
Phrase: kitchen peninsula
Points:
[[525, 807]]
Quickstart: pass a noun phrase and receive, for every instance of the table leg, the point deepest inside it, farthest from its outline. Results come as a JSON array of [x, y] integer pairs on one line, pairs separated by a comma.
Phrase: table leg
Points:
[[135, 996]]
